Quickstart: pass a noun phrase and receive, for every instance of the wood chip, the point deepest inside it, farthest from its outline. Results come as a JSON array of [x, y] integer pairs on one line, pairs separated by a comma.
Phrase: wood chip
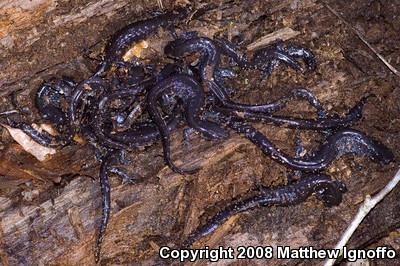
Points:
[[41, 153], [283, 34], [135, 51]]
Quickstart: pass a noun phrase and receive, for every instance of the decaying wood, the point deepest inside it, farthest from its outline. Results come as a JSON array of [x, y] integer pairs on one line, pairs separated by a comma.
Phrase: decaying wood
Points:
[[362, 38], [40, 152], [52, 219], [283, 34], [30, 31], [51, 231], [365, 208]]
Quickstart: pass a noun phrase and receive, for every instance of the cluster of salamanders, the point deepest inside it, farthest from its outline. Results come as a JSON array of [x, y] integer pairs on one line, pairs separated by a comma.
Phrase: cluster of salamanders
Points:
[[125, 105]]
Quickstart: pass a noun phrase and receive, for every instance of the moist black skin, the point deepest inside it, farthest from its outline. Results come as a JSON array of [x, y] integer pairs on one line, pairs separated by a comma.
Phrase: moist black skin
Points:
[[124, 38], [265, 59], [49, 97], [323, 122], [325, 189], [341, 142], [140, 104], [192, 98]]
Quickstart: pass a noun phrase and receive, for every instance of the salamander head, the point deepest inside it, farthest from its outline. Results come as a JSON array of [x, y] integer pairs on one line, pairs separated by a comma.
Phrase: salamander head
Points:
[[356, 142], [331, 192], [378, 151]]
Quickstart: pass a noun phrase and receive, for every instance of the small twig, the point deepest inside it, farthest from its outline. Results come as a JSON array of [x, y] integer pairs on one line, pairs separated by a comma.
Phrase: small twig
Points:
[[9, 112], [359, 35], [364, 209], [160, 4], [283, 34]]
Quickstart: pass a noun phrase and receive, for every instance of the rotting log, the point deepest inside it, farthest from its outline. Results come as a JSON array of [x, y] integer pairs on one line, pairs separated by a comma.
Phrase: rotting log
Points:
[[60, 230], [54, 221], [39, 35]]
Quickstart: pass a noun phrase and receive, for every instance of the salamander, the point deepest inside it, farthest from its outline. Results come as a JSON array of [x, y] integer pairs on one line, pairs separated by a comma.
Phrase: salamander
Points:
[[192, 98], [343, 141], [325, 189], [128, 35]]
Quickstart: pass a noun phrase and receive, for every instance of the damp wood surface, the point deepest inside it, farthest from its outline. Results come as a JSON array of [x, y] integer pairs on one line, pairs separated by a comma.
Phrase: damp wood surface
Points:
[[49, 211]]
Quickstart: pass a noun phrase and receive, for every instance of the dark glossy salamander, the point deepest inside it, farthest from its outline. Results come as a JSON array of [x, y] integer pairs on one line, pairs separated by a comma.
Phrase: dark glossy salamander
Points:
[[49, 97], [321, 123], [267, 59], [192, 98], [124, 117], [210, 55], [125, 133], [124, 38], [42, 137], [209, 63], [124, 121], [139, 135], [107, 167], [264, 112], [135, 134], [128, 77], [208, 66], [111, 113], [325, 189], [106, 203], [264, 59], [84, 95], [343, 141]]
